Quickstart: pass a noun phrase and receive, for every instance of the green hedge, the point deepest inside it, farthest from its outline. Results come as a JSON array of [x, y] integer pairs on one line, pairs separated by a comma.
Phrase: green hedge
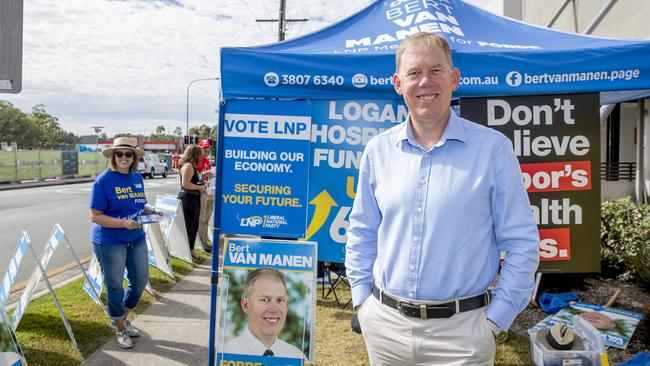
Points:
[[625, 237]]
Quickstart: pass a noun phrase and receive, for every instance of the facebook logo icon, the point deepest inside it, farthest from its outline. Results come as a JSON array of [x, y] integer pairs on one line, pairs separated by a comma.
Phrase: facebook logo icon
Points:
[[513, 78]]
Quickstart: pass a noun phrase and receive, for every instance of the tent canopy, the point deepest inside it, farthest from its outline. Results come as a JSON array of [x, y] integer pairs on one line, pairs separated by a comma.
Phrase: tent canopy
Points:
[[354, 59]]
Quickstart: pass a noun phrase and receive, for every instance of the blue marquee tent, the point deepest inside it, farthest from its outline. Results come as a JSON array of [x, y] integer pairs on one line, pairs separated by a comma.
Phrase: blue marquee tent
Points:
[[497, 56]]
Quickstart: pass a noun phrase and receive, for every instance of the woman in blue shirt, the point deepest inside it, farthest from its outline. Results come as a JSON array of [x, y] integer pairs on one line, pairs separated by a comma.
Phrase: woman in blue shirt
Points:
[[116, 204]]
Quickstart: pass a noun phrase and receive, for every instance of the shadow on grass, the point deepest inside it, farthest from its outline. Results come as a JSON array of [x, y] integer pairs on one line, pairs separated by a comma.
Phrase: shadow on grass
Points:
[[40, 357], [39, 330]]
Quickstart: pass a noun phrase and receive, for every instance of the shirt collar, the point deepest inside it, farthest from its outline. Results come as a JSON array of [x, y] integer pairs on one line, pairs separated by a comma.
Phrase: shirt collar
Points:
[[453, 131], [256, 344]]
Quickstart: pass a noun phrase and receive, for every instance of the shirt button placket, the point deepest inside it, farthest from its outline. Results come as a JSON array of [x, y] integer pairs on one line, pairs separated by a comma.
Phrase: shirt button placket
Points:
[[418, 224]]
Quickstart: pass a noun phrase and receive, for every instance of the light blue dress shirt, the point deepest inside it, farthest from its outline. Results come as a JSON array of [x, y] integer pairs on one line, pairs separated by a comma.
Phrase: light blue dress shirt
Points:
[[429, 225]]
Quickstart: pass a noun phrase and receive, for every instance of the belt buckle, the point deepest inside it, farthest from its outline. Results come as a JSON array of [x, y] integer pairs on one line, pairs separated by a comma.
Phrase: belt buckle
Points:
[[399, 307], [423, 312], [422, 307]]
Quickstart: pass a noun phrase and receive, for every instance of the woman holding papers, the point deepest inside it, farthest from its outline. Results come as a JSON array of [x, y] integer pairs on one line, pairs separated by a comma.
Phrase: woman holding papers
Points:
[[116, 203], [190, 195]]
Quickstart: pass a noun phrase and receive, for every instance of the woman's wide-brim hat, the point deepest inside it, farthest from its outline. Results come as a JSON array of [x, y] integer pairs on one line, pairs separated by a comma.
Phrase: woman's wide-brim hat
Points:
[[120, 143]]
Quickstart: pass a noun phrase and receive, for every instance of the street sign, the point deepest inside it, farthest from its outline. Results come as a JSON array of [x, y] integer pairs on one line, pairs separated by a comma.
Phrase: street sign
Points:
[[11, 46]]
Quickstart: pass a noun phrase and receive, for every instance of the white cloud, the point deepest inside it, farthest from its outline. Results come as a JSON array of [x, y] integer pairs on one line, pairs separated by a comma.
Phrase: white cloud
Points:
[[126, 64]]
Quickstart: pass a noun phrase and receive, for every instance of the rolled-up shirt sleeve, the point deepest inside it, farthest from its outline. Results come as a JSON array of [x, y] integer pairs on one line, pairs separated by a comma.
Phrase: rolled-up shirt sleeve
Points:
[[517, 235], [365, 218]]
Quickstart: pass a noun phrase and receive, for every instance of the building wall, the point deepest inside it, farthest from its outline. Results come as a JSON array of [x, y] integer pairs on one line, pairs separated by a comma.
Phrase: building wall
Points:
[[628, 143], [627, 19]]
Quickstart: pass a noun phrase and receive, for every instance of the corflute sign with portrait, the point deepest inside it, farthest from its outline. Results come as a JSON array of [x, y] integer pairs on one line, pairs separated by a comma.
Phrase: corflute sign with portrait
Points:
[[265, 168], [268, 299], [557, 141]]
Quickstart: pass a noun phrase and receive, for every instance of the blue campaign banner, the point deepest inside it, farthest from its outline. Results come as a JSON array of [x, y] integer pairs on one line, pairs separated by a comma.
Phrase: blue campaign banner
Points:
[[251, 254], [265, 168], [340, 132]]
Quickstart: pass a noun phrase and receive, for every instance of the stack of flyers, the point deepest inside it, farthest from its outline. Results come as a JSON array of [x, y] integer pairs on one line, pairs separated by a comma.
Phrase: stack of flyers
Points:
[[616, 325]]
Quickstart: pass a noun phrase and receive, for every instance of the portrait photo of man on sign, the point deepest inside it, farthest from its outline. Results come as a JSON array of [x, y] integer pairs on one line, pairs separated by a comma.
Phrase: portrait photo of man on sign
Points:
[[265, 302]]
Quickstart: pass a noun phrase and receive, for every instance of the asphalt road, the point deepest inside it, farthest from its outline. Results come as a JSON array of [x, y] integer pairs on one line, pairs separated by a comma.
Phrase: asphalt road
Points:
[[37, 210]]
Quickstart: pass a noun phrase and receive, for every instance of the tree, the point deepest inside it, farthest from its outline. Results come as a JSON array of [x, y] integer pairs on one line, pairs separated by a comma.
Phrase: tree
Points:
[[178, 131], [160, 130], [52, 134], [204, 132], [18, 127]]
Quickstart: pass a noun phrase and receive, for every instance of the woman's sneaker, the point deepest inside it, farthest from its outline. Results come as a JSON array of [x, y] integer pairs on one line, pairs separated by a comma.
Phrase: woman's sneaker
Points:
[[130, 329], [123, 339]]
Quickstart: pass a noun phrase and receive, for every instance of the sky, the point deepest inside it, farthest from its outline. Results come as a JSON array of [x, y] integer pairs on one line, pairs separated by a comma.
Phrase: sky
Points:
[[126, 64]]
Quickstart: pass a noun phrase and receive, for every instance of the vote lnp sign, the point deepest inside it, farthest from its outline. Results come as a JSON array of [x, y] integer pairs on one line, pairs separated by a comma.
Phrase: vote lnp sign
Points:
[[266, 168]]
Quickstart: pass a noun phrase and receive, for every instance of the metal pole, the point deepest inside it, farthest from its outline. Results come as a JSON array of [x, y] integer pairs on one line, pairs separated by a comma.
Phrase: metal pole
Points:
[[214, 274], [640, 174], [187, 104], [601, 15], [283, 6], [557, 14]]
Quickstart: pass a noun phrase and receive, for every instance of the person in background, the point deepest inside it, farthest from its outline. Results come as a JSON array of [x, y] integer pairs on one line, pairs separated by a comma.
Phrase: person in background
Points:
[[438, 198], [207, 200], [265, 302], [117, 200], [175, 159], [190, 194]]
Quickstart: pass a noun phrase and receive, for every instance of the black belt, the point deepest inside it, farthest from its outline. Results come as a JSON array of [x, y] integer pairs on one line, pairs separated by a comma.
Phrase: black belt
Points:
[[429, 311]]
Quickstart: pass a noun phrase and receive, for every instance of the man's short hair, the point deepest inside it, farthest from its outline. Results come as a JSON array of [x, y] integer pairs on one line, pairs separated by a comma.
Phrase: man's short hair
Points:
[[427, 39], [262, 273]]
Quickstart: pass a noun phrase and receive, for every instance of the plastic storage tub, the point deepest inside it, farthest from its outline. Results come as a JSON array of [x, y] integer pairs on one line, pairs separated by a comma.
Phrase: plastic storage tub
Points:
[[594, 353]]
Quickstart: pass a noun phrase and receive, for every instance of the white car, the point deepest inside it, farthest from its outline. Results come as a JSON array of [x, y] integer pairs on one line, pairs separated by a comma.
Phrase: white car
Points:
[[150, 166]]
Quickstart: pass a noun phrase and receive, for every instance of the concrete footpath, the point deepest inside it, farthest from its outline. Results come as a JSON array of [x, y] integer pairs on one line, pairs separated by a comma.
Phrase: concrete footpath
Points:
[[174, 330]]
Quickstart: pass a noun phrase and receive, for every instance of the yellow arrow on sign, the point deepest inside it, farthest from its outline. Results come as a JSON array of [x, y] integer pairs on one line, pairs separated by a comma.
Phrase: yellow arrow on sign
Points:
[[324, 203], [349, 187]]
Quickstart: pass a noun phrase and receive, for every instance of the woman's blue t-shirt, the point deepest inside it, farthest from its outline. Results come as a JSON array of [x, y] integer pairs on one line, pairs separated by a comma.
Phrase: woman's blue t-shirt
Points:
[[121, 196]]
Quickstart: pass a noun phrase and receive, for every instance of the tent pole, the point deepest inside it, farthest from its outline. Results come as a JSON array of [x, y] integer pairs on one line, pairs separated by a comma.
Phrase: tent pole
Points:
[[557, 13]]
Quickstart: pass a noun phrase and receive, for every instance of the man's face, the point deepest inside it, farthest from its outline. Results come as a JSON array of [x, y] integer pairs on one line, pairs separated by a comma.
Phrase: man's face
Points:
[[426, 80], [205, 151], [266, 308]]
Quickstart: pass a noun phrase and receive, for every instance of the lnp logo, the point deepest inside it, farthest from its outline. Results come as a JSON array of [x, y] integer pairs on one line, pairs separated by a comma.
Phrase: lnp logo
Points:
[[513, 78], [271, 79], [359, 80], [251, 221]]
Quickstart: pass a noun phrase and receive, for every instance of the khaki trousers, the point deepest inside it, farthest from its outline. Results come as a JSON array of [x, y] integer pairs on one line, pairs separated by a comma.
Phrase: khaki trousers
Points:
[[393, 339], [207, 205]]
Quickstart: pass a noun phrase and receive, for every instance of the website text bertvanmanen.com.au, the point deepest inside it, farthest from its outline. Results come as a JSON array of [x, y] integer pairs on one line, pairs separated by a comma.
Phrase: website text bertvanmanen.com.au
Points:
[[515, 78]]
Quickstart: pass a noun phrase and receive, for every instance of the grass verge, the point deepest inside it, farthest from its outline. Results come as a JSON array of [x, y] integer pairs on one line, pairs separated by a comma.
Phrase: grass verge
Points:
[[336, 344], [45, 341], [43, 337]]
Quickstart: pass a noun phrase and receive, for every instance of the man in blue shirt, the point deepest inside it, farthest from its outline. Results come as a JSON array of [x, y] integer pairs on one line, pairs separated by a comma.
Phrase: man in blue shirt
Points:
[[438, 199]]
